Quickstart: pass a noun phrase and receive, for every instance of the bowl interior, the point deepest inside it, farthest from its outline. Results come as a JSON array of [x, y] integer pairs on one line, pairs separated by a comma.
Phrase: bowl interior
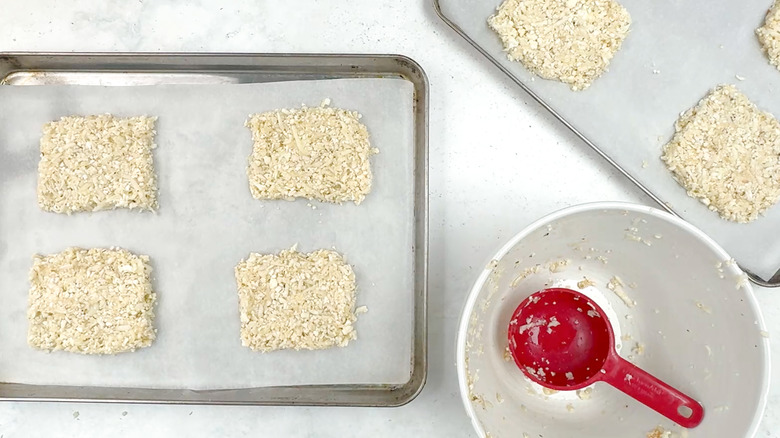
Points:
[[679, 307]]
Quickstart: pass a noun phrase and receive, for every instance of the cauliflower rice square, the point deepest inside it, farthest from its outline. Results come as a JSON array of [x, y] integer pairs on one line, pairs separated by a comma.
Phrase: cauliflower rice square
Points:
[[726, 153], [97, 162], [315, 153], [91, 301], [571, 41], [769, 34], [296, 301]]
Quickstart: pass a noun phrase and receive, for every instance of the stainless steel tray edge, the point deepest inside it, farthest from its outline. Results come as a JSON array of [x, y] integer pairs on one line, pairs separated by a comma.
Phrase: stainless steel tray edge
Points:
[[25, 68], [772, 282]]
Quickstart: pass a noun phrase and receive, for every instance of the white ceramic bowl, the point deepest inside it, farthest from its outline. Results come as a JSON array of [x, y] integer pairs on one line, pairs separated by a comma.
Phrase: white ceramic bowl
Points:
[[695, 324]]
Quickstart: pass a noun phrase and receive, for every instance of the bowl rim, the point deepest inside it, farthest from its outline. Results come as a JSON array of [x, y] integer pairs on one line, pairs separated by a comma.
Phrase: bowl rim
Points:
[[468, 308]]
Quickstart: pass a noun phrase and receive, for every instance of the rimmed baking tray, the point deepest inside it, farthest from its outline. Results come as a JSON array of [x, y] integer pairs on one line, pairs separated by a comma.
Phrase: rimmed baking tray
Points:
[[141, 70], [674, 53]]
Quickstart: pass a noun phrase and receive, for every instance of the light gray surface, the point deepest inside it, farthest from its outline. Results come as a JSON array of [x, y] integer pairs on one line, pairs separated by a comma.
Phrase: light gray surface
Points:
[[206, 223], [675, 52], [498, 162]]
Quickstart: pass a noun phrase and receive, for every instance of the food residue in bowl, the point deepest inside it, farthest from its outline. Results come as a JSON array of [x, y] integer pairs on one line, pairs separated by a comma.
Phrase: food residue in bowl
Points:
[[585, 282], [525, 273], [703, 307], [615, 284], [584, 394], [632, 233], [557, 266], [742, 281], [553, 323], [659, 432]]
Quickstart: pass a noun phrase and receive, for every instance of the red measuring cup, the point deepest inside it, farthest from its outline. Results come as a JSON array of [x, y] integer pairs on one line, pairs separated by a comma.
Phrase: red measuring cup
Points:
[[563, 340]]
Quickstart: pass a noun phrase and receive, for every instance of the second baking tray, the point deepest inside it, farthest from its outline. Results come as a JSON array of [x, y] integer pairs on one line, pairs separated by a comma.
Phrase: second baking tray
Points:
[[674, 53], [202, 101]]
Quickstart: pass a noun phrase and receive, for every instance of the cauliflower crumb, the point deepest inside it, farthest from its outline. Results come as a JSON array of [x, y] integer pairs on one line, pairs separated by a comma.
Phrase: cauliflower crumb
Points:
[[659, 432], [703, 308], [553, 323], [525, 273], [585, 282], [584, 394], [558, 266], [615, 284]]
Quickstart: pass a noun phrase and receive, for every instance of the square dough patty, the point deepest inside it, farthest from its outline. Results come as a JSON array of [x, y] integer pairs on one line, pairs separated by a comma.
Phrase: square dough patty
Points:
[[296, 301], [91, 301], [97, 162], [315, 153], [571, 41], [726, 153]]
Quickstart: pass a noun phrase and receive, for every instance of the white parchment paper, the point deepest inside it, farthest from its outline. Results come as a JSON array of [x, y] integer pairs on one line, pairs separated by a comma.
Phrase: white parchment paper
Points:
[[208, 222]]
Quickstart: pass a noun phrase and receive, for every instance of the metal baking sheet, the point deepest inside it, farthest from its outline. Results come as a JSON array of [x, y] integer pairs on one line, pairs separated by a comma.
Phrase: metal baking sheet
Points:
[[208, 221], [675, 52]]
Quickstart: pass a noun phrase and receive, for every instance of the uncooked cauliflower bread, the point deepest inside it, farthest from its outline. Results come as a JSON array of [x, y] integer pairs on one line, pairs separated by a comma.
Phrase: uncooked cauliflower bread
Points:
[[315, 153], [91, 301], [97, 163], [769, 34], [296, 301], [726, 153], [571, 41]]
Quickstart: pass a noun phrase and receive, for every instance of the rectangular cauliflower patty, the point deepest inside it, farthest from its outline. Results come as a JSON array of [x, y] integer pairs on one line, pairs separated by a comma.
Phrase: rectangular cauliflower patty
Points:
[[96, 163], [571, 41], [296, 301], [726, 153], [769, 34], [91, 301], [315, 153]]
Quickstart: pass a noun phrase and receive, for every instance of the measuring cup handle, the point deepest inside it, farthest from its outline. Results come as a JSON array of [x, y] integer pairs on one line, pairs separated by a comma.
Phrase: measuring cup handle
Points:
[[655, 394]]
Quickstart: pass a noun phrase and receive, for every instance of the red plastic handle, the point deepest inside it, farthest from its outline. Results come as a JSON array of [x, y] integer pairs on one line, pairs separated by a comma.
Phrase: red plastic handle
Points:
[[653, 393]]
